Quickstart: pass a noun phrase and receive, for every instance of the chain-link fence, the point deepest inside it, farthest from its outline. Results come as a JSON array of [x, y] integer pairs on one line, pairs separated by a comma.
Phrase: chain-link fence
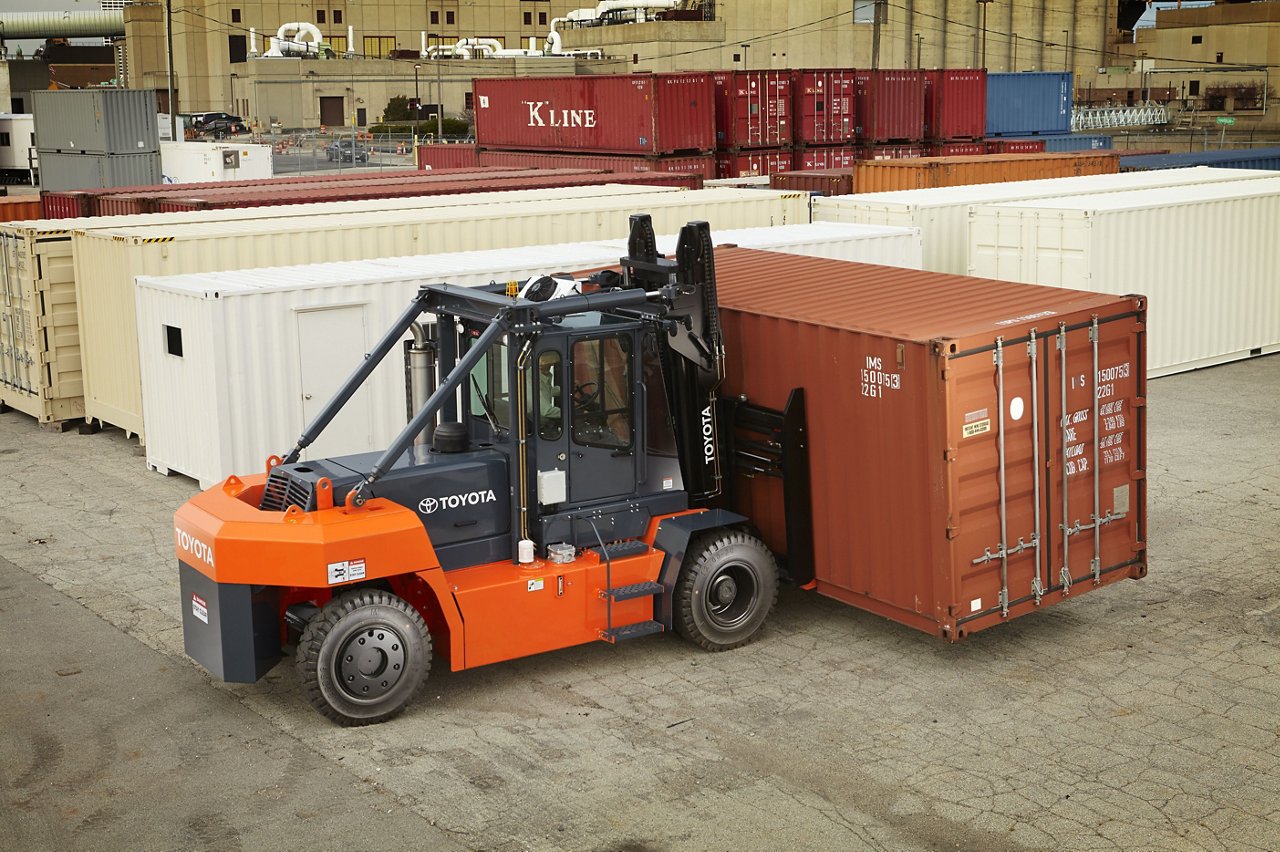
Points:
[[337, 150]]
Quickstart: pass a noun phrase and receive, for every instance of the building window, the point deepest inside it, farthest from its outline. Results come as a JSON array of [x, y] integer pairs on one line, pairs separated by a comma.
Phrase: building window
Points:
[[1197, 39], [435, 17], [468, 101], [379, 47], [864, 11], [337, 16], [4, 140], [237, 48], [1194, 88], [448, 17], [737, 57], [1219, 59], [542, 18], [337, 42], [528, 19], [319, 16], [235, 16]]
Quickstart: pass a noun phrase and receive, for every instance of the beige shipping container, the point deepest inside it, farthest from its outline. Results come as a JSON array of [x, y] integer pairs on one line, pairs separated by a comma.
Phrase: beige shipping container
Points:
[[1205, 256], [40, 371], [942, 213], [108, 261]]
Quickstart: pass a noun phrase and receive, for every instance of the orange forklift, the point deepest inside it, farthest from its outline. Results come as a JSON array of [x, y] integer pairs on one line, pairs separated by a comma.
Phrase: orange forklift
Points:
[[556, 485]]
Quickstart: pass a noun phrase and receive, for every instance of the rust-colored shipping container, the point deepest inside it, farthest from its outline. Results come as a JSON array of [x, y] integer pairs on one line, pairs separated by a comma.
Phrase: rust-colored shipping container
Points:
[[977, 448], [891, 152], [649, 114], [955, 104], [821, 181], [833, 157], [753, 109], [889, 105], [19, 208], [699, 164], [65, 204], [931, 172], [955, 149], [731, 164], [523, 180], [823, 112], [1015, 146], [447, 157]]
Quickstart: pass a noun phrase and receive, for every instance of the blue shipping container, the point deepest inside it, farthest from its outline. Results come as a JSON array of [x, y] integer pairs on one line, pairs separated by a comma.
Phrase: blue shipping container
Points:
[[1029, 103], [1076, 142], [1244, 158]]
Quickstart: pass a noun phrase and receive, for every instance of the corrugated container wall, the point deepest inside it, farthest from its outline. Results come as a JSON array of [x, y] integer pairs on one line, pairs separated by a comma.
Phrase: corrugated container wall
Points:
[[935, 434], [210, 411], [1211, 274], [955, 149], [95, 121], [80, 171], [749, 163], [108, 261], [446, 156], [818, 181], [891, 152], [836, 157], [611, 114], [943, 214], [889, 105], [955, 104], [1029, 102], [698, 164], [824, 106], [41, 281], [1257, 158], [19, 208], [927, 172], [1077, 142], [1015, 146], [753, 109]]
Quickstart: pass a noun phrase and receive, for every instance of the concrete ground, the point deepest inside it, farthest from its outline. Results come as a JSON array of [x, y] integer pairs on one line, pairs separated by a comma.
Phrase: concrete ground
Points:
[[1142, 716]]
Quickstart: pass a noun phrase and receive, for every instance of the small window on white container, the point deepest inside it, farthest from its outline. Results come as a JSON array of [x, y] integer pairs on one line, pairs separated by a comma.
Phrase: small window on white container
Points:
[[173, 340]]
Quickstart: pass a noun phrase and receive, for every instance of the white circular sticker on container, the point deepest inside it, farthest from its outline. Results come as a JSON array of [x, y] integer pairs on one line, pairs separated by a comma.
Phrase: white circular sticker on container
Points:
[[1015, 408]]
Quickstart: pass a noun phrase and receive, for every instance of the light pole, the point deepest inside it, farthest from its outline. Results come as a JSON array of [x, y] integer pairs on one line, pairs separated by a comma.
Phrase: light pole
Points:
[[744, 56], [919, 50], [417, 99], [439, 102], [983, 5], [1013, 64], [1066, 49]]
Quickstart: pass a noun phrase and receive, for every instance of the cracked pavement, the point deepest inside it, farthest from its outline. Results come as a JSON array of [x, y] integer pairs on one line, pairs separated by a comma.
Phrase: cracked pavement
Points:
[[1143, 715]]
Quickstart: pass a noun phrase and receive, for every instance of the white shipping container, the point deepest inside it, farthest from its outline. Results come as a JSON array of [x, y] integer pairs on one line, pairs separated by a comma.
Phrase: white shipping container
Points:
[[942, 214], [199, 162], [107, 261], [881, 244], [211, 409], [1205, 256], [42, 373], [17, 142]]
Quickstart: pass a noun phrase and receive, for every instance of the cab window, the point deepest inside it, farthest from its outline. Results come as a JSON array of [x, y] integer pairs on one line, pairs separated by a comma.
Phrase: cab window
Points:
[[487, 388], [601, 392], [545, 392]]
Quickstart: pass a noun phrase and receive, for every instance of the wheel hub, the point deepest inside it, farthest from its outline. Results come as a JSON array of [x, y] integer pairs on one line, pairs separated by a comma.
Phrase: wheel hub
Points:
[[370, 663], [731, 595]]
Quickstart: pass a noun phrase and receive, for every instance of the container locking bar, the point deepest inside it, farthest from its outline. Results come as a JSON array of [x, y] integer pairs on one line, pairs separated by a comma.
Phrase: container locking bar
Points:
[[1037, 582], [1096, 565], [1064, 575]]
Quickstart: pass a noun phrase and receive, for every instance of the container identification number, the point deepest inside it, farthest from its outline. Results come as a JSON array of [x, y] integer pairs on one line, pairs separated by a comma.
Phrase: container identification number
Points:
[[875, 381]]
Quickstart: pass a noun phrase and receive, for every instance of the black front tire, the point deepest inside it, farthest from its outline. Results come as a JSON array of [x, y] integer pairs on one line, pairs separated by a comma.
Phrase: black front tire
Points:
[[726, 590], [363, 657]]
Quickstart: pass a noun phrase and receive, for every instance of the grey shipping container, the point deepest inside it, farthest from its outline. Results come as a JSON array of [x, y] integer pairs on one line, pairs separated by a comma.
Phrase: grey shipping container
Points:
[[1257, 158], [96, 121], [60, 172]]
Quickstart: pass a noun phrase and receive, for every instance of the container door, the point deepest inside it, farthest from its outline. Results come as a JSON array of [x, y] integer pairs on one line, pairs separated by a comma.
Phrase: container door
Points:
[[331, 343], [602, 421]]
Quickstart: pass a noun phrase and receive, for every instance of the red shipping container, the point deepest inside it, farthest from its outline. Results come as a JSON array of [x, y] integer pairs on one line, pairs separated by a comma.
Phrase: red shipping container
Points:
[[647, 114], [447, 156], [833, 157], [824, 106], [753, 109], [732, 164], [955, 149], [821, 181], [955, 103], [892, 152], [1015, 146], [993, 478], [700, 164], [889, 105], [66, 204]]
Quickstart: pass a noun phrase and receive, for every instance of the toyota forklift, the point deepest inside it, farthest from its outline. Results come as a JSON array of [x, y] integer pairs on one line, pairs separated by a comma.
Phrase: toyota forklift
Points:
[[556, 484]]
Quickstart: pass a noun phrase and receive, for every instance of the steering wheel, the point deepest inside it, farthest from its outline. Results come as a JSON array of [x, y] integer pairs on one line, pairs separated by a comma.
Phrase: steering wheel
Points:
[[585, 394]]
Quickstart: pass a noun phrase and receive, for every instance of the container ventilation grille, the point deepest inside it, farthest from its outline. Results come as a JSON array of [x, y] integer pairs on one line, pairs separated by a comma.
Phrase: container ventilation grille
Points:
[[284, 490]]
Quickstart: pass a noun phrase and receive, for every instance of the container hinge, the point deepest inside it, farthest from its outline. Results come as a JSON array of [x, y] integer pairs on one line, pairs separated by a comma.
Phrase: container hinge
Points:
[[1000, 552], [1093, 330], [1095, 568], [1004, 603], [1064, 576], [1031, 345], [1037, 589]]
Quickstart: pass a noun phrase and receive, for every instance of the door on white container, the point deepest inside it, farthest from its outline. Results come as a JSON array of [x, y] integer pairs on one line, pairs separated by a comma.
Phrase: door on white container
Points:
[[331, 344]]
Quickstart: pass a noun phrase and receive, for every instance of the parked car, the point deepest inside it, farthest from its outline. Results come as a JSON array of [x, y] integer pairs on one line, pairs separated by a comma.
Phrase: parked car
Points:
[[346, 151], [222, 127]]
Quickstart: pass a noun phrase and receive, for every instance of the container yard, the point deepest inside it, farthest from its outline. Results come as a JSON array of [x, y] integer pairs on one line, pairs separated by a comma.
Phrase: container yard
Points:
[[761, 448]]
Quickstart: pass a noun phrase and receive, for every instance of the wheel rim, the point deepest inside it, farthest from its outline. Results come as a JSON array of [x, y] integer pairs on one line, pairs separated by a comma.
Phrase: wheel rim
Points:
[[370, 663], [731, 595]]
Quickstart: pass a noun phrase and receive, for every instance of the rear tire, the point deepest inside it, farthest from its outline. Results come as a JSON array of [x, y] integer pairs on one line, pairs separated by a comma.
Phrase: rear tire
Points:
[[726, 590], [363, 657]]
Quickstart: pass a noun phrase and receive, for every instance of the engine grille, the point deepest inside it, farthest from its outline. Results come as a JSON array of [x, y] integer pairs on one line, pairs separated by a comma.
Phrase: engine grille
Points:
[[284, 490]]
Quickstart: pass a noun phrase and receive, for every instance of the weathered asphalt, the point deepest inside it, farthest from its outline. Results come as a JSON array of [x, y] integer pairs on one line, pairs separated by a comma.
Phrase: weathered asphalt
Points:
[[1140, 716]]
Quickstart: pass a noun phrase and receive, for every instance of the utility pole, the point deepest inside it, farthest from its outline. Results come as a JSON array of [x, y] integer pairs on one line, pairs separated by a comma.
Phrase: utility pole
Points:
[[1066, 49], [876, 19], [168, 38], [983, 5], [439, 102], [919, 51]]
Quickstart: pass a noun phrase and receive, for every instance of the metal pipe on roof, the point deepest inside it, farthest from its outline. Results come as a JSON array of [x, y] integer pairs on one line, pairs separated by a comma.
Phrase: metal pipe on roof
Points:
[[61, 24]]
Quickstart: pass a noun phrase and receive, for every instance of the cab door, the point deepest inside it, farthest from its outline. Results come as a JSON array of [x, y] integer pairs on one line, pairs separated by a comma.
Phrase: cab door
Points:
[[599, 396]]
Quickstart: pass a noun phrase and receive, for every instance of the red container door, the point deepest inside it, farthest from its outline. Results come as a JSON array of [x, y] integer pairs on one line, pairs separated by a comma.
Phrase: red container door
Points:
[[752, 163], [955, 104], [753, 109], [889, 105], [835, 157], [1015, 146], [824, 107]]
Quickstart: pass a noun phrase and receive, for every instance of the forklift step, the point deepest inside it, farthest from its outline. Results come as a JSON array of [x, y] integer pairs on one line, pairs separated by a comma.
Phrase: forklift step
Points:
[[620, 549], [635, 590], [630, 631]]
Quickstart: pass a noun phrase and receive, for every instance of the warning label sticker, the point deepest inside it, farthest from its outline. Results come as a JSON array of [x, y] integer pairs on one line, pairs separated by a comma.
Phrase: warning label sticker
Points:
[[345, 572], [536, 585], [199, 608], [971, 429]]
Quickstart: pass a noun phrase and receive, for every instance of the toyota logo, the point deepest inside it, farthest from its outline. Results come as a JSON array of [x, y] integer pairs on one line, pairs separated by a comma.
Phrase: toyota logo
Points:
[[428, 505]]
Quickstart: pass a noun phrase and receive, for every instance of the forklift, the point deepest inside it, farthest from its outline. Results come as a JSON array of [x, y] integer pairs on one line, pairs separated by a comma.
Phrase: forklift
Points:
[[558, 482]]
